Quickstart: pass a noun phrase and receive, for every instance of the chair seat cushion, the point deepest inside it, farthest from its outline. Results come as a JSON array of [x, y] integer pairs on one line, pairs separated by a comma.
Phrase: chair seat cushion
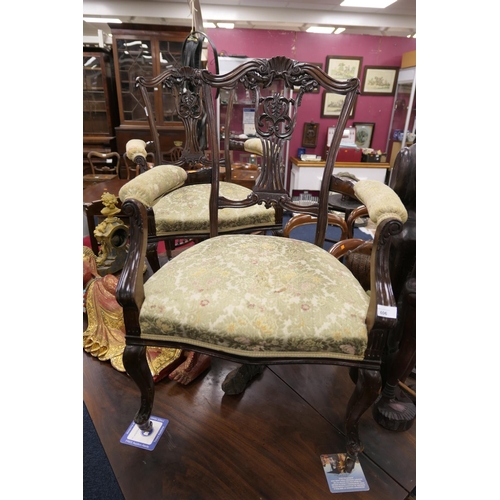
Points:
[[185, 210], [260, 296]]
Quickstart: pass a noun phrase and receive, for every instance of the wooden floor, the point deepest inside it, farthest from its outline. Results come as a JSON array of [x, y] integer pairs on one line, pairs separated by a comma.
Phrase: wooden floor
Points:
[[263, 444]]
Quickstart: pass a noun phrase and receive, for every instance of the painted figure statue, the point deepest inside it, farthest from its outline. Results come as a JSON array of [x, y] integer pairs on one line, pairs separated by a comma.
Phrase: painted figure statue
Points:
[[104, 337]]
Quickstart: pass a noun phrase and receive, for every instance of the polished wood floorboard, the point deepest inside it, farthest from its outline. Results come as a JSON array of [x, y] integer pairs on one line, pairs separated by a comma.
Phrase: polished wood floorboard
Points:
[[263, 444]]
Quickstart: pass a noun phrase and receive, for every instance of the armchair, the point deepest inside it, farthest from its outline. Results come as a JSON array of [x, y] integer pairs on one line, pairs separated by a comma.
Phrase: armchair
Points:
[[260, 299], [176, 194]]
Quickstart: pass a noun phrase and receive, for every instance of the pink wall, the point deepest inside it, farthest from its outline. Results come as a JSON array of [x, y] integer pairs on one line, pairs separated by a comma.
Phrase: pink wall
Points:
[[312, 47]]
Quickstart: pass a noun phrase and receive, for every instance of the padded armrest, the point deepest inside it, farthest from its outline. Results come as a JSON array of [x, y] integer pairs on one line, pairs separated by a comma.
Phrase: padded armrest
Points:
[[135, 147], [253, 146], [380, 200], [153, 184]]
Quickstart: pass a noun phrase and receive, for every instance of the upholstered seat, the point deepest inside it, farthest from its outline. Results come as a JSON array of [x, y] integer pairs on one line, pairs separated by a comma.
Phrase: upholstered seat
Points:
[[315, 309], [185, 210]]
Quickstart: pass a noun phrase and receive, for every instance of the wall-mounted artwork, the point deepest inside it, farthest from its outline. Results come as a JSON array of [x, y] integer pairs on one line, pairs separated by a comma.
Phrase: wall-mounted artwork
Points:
[[310, 135], [379, 80], [364, 134], [332, 105], [343, 67]]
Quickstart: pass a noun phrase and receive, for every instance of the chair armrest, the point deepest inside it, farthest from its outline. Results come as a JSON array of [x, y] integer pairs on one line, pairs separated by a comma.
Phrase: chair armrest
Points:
[[135, 147], [380, 200], [150, 186], [253, 146], [130, 288]]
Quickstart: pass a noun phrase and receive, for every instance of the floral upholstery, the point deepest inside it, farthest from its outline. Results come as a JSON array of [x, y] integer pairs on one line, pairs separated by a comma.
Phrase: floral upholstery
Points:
[[153, 184], [298, 300], [380, 200], [186, 210]]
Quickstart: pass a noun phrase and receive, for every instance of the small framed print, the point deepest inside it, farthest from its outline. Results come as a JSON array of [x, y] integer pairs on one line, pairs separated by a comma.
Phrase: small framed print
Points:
[[364, 134], [332, 105], [379, 80], [310, 135], [343, 67]]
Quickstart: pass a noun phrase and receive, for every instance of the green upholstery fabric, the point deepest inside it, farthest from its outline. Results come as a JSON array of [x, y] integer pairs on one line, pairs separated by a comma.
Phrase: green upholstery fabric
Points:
[[253, 146], [380, 200], [243, 298], [135, 147], [153, 184], [186, 210]]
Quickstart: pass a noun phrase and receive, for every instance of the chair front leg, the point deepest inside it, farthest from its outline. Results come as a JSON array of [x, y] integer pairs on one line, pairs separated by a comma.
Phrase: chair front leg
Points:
[[368, 385], [136, 365]]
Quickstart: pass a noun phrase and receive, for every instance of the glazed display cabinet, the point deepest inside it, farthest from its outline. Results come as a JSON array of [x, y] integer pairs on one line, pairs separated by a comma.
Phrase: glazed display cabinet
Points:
[[100, 111], [146, 50]]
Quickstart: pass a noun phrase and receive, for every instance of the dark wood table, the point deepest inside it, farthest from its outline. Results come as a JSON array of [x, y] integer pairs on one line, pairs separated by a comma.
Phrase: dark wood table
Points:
[[92, 204]]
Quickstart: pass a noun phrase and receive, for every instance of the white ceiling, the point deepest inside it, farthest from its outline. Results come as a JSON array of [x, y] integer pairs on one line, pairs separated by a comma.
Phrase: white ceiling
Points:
[[398, 19]]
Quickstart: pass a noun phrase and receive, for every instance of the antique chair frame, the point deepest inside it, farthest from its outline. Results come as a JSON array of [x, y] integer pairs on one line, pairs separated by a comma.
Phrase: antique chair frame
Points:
[[194, 157], [275, 125]]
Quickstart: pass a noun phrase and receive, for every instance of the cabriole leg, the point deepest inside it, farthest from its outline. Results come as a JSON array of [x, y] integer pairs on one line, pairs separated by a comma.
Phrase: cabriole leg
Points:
[[136, 365], [366, 391]]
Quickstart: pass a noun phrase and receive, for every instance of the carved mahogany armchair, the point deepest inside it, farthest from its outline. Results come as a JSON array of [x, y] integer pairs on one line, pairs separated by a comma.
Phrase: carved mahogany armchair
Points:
[[176, 194], [261, 299]]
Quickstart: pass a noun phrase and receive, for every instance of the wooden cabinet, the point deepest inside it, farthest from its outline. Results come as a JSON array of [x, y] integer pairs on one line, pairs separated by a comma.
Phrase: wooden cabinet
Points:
[[146, 50], [100, 111]]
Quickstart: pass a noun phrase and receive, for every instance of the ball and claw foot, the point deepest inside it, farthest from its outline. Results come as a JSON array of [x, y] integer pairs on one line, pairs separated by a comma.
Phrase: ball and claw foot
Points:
[[146, 428], [354, 444], [237, 380], [190, 369]]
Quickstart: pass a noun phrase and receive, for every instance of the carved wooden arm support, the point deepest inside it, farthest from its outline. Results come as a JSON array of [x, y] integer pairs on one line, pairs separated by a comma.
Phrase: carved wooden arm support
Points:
[[130, 288]]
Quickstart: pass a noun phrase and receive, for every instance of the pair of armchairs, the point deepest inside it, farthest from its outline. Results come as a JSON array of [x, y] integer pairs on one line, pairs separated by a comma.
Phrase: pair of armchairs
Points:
[[260, 299]]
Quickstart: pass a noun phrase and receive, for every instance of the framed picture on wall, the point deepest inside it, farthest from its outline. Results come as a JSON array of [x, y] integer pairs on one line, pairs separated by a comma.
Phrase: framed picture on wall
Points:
[[343, 67], [379, 80], [332, 105], [364, 134], [310, 135], [316, 90]]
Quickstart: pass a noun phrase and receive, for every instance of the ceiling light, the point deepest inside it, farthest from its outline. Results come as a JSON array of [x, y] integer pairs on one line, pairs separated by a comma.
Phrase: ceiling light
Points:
[[228, 26], [339, 30], [102, 20], [367, 4], [320, 29], [209, 24]]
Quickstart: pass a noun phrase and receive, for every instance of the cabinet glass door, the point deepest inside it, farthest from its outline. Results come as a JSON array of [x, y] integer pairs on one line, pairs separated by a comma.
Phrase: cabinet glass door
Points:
[[94, 100], [135, 59], [170, 55]]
